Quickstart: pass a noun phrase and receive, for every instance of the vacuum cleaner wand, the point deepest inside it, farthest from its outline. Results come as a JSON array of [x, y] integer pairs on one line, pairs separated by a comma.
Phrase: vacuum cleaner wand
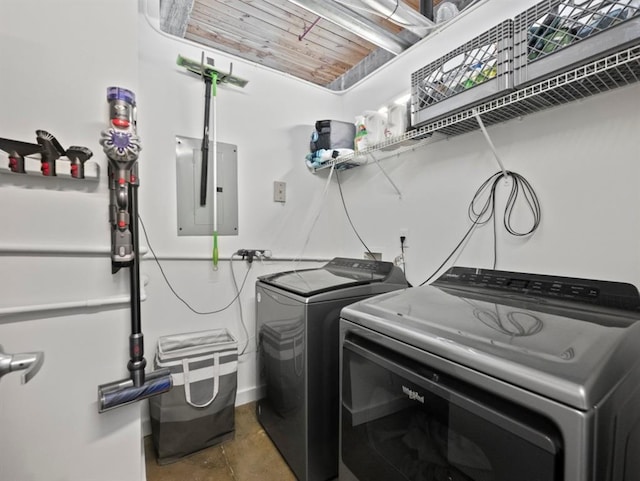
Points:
[[122, 146]]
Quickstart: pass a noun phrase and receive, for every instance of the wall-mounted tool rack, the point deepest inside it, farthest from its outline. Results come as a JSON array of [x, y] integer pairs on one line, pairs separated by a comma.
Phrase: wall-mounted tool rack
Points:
[[33, 166], [21, 159]]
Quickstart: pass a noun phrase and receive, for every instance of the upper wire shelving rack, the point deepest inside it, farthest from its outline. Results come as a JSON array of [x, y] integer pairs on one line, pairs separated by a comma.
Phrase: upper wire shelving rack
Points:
[[607, 73]]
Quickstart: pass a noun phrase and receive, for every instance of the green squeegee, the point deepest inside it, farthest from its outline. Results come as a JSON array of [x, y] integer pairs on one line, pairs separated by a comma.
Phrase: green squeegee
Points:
[[211, 77], [200, 68]]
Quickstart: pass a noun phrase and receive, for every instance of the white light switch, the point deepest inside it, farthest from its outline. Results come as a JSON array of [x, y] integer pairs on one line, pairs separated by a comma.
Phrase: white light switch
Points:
[[279, 191]]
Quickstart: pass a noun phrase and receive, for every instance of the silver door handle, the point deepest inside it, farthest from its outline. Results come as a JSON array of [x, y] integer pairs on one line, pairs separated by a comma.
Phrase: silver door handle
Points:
[[29, 362]]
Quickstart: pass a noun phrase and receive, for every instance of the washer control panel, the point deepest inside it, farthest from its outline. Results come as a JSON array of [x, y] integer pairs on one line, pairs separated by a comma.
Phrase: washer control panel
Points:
[[604, 293]]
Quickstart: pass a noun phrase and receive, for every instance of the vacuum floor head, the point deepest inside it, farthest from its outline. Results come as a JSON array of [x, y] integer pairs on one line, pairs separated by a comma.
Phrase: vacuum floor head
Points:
[[121, 393]]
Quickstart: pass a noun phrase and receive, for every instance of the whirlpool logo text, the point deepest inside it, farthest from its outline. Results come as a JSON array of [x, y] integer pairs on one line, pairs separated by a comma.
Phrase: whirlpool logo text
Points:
[[413, 395]]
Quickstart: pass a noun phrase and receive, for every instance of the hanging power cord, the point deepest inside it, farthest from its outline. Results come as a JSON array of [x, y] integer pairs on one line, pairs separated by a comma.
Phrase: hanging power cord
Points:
[[404, 262], [201, 313], [235, 284], [481, 214], [346, 211]]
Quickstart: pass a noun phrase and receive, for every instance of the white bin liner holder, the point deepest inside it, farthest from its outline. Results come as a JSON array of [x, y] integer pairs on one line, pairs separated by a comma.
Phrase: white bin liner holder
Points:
[[200, 409]]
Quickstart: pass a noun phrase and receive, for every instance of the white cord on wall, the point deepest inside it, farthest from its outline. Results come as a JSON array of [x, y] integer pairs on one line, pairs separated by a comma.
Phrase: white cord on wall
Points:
[[490, 142], [315, 220]]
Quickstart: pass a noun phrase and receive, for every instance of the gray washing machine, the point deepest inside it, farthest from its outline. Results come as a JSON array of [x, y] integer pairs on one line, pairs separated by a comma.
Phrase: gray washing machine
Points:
[[297, 321], [493, 375]]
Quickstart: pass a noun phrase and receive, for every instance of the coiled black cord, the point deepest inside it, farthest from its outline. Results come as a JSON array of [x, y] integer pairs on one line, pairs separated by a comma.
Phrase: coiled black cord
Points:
[[481, 213], [486, 212]]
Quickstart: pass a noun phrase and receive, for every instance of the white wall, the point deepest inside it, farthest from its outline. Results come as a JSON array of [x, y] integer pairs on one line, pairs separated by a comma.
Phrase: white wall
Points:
[[580, 159], [565, 153], [58, 57], [270, 121]]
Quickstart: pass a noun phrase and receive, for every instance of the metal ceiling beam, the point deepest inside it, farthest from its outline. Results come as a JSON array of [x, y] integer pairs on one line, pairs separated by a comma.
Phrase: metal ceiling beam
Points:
[[356, 24], [395, 11]]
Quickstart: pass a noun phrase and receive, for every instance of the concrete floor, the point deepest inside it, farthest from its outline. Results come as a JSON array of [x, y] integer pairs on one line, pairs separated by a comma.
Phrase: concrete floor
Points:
[[250, 456]]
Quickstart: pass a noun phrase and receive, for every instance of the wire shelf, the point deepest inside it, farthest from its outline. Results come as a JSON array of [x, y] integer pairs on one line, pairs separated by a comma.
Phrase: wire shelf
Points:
[[608, 73]]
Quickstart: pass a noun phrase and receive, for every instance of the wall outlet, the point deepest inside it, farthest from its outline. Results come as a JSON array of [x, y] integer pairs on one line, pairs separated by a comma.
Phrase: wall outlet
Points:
[[405, 233], [373, 256], [506, 181], [279, 191]]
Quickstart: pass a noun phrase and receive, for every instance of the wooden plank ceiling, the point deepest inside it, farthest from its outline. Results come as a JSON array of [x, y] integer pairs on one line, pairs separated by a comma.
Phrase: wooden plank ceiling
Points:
[[270, 33]]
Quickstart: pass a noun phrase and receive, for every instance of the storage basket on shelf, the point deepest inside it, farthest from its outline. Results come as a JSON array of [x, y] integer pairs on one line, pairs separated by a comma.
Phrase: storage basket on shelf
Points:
[[200, 409], [558, 35], [332, 134], [472, 73]]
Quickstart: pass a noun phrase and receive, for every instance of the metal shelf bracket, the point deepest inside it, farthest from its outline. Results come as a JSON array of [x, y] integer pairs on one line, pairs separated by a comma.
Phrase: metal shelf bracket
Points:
[[386, 175]]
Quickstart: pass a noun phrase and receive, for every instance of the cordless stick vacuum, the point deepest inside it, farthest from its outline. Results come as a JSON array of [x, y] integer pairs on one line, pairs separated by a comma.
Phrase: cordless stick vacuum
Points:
[[122, 146]]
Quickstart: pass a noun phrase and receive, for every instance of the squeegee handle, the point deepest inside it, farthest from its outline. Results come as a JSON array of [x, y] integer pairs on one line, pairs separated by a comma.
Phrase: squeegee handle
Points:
[[205, 141]]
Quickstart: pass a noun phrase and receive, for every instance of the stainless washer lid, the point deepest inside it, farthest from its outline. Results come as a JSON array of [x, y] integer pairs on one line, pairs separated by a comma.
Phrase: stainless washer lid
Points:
[[570, 351], [339, 273]]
